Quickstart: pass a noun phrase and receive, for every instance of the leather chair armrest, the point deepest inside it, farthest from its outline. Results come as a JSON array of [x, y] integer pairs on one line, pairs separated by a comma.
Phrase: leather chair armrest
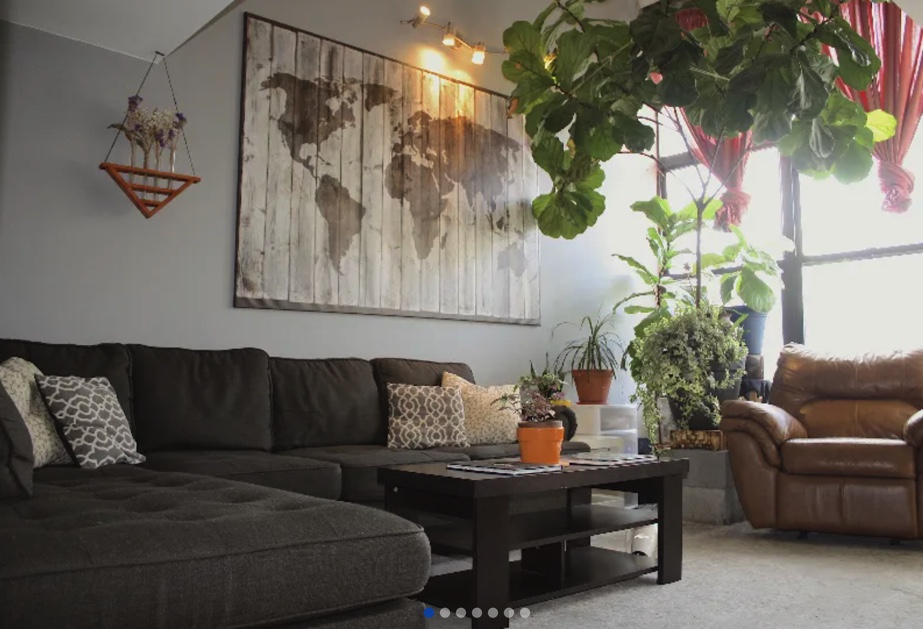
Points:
[[913, 430], [778, 424]]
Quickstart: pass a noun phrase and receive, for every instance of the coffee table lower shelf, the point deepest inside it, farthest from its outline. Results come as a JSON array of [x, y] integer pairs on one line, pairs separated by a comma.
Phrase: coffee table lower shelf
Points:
[[585, 569]]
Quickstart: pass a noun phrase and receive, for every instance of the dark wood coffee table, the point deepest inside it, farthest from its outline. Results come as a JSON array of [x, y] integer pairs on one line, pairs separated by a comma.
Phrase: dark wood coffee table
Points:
[[557, 558]]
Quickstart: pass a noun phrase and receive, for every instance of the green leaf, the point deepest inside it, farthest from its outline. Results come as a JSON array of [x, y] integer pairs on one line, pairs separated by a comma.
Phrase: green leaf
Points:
[[730, 57], [656, 210], [573, 56], [644, 273], [639, 309], [678, 88], [822, 141], [771, 127], [716, 24], [810, 92], [755, 291], [523, 36], [727, 287], [712, 209], [593, 180], [656, 33], [854, 165], [712, 259], [560, 118], [549, 154], [882, 124], [782, 14]]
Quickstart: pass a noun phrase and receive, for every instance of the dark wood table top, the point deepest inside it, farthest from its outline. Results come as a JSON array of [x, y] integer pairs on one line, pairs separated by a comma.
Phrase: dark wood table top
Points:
[[434, 477]]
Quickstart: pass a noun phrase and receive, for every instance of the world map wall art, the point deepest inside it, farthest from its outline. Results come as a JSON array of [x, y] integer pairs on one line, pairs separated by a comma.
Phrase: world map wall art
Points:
[[370, 186]]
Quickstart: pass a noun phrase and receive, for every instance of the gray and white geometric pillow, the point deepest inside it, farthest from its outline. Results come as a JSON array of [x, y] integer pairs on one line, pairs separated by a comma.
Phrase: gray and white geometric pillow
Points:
[[91, 418], [17, 376], [425, 417]]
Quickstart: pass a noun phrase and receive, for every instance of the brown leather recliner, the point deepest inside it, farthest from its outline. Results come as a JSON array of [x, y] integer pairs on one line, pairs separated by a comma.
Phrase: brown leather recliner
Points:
[[838, 449]]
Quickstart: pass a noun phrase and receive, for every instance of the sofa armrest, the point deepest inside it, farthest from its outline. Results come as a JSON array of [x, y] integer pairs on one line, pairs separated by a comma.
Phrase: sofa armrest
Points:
[[778, 424], [913, 430]]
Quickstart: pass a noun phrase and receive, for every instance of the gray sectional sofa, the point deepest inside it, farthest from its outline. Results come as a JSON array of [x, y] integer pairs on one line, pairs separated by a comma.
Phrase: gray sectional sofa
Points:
[[252, 509]]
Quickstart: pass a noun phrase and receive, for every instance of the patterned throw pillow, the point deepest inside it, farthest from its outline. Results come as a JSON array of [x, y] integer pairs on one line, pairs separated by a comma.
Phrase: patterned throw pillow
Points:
[[18, 378], [486, 420], [425, 417], [92, 420]]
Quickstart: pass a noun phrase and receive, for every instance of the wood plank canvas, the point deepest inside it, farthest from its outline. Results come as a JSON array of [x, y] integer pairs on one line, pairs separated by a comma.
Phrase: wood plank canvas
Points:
[[370, 186]]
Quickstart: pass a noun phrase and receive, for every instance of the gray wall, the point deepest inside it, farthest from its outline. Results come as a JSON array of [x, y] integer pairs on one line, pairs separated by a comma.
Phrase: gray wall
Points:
[[78, 263]]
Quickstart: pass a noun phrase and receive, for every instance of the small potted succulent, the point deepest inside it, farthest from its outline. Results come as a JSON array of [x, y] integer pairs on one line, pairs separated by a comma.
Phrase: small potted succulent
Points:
[[540, 433], [591, 360]]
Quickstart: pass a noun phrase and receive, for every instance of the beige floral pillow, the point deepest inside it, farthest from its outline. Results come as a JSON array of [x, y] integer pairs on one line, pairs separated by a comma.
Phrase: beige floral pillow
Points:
[[486, 420]]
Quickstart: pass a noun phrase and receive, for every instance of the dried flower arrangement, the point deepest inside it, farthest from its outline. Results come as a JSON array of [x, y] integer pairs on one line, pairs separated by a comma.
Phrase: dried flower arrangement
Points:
[[153, 131]]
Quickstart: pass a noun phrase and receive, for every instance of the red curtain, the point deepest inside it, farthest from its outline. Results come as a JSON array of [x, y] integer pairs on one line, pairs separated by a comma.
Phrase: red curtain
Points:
[[726, 158], [897, 89]]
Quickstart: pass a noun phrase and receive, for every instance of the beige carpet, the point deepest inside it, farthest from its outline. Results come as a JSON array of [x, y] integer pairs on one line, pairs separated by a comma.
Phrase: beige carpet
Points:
[[738, 578]]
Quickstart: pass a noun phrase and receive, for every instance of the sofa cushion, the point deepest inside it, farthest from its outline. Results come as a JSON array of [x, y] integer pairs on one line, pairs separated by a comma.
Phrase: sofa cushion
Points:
[[359, 465], [505, 450], [127, 547], [91, 420], [859, 419], [191, 399], [424, 373], [108, 360], [297, 474], [884, 458], [17, 377], [16, 457], [324, 403]]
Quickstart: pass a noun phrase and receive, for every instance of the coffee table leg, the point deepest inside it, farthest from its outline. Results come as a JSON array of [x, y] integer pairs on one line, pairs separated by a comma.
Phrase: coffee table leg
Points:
[[670, 529], [491, 562]]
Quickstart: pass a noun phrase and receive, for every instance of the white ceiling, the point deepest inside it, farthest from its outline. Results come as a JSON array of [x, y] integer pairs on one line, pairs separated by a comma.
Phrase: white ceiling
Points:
[[141, 27], [133, 27]]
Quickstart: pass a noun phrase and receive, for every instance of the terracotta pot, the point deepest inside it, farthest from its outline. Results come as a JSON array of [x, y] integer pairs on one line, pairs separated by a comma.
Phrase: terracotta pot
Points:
[[540, 442], [592, 385]]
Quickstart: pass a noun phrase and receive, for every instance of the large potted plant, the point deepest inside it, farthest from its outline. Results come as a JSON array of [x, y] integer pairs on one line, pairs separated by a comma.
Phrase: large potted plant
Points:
[[591, 359], [695, 360]]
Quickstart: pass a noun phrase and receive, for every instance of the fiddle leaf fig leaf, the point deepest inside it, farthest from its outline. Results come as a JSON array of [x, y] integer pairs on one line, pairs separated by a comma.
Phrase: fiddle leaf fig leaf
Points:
[[730, 57], [782, 14], [854, 165], [882, 125], [655, 34], [524, 36], [573, 56], [678, 88]]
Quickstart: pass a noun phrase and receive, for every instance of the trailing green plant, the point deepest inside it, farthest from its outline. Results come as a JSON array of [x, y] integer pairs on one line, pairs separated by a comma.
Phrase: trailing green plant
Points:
[[594, 350], [758, 65], [686, 358]]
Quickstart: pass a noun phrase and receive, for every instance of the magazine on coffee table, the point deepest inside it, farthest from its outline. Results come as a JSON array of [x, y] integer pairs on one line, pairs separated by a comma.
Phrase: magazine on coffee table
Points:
[[606, 458], [510, 468]]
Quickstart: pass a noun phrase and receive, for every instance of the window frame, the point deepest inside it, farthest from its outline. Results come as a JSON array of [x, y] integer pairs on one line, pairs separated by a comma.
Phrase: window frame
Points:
[[793, 262]]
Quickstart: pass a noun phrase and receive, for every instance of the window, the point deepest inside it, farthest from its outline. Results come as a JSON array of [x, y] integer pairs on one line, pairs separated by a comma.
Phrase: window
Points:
[[851, 263]]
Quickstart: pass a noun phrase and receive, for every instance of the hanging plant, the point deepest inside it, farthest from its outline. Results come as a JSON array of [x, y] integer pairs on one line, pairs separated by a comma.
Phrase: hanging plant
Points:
[[757, 66]]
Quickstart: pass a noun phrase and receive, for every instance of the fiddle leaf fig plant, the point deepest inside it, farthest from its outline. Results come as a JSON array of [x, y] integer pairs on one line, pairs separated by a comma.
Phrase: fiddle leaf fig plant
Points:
[[584, 85]]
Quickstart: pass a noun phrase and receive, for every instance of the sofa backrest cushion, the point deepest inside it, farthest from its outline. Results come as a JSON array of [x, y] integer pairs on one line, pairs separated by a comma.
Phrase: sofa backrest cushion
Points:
[[201, 399], [108, 360], [862, 396], [327, 402], [424, 373]]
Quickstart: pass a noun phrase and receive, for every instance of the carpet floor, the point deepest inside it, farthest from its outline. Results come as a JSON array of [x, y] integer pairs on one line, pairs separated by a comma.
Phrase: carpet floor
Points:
[[738, 578]]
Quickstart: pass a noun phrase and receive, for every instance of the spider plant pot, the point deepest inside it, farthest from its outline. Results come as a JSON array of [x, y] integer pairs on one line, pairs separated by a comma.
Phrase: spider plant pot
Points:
[[753, 326], [540, 442], [592, 385]]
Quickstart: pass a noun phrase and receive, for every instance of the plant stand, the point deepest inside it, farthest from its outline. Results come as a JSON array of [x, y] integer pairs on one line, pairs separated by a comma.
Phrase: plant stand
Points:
[[709, 494], [148, 199]]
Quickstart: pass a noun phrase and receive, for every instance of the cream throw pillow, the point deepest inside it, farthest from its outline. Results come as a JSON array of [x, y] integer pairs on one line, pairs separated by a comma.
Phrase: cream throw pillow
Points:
[[17, 376], [486, 420]]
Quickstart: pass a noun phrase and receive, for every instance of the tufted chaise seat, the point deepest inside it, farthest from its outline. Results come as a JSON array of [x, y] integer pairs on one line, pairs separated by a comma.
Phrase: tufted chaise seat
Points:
[[154, 549]]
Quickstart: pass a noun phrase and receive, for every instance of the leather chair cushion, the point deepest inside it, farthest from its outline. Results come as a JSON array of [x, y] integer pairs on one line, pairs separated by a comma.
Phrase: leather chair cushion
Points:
[[861, 419], [881, 458]]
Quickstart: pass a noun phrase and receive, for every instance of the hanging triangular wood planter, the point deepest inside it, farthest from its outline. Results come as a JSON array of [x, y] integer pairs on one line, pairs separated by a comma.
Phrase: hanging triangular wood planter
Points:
[[148, 199]]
